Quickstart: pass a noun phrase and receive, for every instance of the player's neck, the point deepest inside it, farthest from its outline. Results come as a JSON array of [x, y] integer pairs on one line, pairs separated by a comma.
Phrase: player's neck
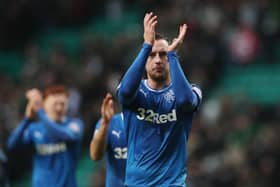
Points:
[[158, 85]]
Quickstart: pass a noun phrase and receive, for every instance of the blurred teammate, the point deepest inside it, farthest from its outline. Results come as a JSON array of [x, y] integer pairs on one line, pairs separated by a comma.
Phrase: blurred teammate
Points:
[[4, 181], [109, 138], [54, 137], [157, 111]]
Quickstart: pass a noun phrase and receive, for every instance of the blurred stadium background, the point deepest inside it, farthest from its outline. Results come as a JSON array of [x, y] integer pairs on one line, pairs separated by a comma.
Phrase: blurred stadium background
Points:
[[232, 50]]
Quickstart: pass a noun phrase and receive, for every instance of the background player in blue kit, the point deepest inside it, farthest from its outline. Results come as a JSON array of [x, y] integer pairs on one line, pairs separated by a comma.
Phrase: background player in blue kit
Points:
[[109, 138], [54, 137], [158, 112]]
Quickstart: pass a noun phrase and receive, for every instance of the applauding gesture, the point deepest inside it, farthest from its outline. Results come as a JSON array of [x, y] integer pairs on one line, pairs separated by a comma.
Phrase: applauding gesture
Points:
[[150, 21], [107, 108], [35, 102], [177, 42]]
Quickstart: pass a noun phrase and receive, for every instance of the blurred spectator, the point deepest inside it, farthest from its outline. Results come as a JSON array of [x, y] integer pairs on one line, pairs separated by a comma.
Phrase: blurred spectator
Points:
[[243, 45]]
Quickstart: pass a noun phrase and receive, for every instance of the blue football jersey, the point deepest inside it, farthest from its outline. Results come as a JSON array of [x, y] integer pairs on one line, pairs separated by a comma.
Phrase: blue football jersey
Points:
[[157, 138], [56, 147], [116, 152], [157, 123]]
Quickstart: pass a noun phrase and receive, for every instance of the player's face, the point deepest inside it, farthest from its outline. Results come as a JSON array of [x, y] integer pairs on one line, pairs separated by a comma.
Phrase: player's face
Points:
[[56, 106], [157, 66]]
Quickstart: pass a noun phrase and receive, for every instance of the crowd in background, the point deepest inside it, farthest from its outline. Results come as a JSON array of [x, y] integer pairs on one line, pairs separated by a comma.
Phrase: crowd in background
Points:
[[232, 143]]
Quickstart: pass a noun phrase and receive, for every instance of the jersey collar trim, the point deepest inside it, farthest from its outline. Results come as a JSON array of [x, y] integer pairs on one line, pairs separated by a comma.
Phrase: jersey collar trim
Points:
[[157, 91]]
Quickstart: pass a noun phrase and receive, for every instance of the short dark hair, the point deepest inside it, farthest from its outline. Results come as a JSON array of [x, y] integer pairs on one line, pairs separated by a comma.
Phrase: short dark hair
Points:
[[160, 36]]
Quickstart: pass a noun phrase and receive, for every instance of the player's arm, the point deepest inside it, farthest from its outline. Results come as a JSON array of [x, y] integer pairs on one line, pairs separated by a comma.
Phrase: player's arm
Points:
[[186, 97], [73, 131], [130, 83], [20, 136], [98, 143]]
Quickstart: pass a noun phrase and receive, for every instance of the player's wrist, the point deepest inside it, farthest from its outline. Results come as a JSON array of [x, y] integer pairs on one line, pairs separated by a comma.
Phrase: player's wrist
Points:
[[27, 119], [148, 42], [104, 123], [147, 45], [172, 54], [101, 133], [30, 115]]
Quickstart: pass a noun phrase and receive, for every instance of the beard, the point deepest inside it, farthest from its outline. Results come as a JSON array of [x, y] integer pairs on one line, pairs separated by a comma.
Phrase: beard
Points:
[[158, 77]]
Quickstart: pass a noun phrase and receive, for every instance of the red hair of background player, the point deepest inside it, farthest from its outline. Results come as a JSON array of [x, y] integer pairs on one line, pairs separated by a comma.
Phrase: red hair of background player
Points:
[[56, 89]]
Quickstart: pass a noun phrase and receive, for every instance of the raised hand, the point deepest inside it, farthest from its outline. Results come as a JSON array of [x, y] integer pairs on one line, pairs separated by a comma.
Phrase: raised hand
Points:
[[35, 100], [33, 93], [150, 21], [176, 43], [29, 111], [107, 108]]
